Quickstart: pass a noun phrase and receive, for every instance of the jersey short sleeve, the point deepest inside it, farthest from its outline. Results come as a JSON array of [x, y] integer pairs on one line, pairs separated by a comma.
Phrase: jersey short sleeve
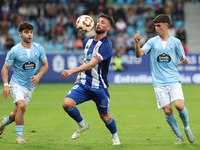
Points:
[[10, 57], [43, 55], [147, 46], [179, 49]]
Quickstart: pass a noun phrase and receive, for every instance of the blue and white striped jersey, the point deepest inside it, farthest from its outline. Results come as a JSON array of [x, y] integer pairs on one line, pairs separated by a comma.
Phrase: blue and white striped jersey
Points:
[[164, 61], [102, 51], [26, 63]]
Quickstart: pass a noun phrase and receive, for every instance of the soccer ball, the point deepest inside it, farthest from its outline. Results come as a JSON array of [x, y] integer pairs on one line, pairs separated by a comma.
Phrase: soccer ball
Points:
[[84, 23]]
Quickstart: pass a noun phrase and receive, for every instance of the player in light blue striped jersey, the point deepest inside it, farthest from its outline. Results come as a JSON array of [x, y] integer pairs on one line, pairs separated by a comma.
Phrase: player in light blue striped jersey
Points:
[[25, 58], [165, 51], [92, 79]]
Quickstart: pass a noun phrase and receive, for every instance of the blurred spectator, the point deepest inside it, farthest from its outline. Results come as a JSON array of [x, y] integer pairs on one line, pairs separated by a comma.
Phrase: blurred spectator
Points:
[[112, 13], [12, 21], [89, 4], [179, 13], [23, 10], [4, 23], [41, 26], [120, 25], [172, 30], [100, 5], [181, 34], [130, 43], [9, 42], [140, 10], [184, 47], [52, 34], [14, 4], [71, 19], [32, 12], [61, 9], [51, 11], [149, 14], [120, 44], [70, 44], [3, 41], [19, 19], [149, 27], [117, 62], [131, 16], [158, 11], [5, 8], [78, 43], [59, 30], [72, 8], [121, 12], [62, 19], [42, 10]]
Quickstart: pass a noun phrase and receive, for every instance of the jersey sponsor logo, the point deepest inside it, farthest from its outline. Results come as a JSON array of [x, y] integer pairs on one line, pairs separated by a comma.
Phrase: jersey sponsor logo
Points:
[[29, 66], [163, 59], [88, 56]]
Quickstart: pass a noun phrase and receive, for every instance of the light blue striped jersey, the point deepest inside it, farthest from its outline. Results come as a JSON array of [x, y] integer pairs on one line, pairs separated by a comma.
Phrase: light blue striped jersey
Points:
[[26, 63], [164, 61], [102, 51]]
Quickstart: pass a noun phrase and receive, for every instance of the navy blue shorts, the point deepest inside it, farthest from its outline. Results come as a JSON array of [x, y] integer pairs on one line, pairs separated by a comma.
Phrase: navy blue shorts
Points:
[[82, 93]]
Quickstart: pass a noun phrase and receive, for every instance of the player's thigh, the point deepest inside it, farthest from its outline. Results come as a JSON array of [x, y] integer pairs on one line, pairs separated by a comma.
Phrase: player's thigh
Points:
[[102, 100], [20, 93], [176, 92], [77, 93], [162, 96]]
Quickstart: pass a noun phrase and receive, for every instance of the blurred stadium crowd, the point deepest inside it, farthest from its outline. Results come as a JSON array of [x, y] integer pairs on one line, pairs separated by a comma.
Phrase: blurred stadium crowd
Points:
[[54, 22]]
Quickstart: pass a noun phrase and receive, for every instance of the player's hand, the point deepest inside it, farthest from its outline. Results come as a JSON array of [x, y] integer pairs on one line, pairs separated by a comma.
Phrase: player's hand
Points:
[[137, 37], [184, 60], [6, 92], [35, 80], [65, 74]]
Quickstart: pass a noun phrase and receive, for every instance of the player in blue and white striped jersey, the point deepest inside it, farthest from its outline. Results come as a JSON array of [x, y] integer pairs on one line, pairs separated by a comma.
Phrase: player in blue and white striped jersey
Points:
[[166, 50], [92, 79], [25, 58]]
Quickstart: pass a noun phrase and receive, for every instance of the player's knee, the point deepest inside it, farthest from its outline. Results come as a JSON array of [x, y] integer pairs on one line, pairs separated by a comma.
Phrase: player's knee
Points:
[[12, 116], [105, 118], [179, 104], [68, 103], [168, 112]]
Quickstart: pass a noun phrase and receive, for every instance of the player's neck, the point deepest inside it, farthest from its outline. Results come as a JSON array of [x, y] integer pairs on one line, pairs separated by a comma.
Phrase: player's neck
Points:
[[164, 37], [99, 36], [26, 45]]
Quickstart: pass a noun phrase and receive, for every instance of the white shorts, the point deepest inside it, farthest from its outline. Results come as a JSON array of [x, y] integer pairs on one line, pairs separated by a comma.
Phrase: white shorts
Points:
[[19, 92], [167, 94]]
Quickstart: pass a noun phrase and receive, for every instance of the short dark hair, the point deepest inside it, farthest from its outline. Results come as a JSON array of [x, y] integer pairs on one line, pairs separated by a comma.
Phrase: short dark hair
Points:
[[162, 18], [25, 25], [110, 19]]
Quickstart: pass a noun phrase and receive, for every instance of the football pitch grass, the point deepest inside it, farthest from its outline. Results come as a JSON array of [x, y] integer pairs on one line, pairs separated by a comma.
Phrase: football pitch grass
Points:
[[141, 126]]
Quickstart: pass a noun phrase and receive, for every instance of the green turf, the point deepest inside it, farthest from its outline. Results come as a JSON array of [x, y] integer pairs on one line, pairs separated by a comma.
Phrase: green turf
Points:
[[141, 126]]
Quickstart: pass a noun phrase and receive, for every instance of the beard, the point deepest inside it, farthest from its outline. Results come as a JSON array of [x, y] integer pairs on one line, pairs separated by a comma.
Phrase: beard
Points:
[[26, 40], [100, 31]]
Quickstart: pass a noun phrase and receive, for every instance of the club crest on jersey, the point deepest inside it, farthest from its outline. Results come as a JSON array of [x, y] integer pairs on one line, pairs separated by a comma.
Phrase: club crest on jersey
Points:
[[36, 53], [171, 46], [97, 47], [29, 66], [163, 59]]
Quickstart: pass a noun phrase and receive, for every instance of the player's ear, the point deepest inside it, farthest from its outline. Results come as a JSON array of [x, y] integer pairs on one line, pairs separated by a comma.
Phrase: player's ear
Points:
[[109, 27]]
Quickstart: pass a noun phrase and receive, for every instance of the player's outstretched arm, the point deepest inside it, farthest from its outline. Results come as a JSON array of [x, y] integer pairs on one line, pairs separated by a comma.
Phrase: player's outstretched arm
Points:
[[81, 68], [4, 74], [138, 51], [35, 79], [184, 60]]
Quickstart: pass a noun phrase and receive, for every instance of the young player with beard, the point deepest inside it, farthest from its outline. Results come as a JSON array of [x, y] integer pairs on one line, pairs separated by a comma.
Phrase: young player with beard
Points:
[[165, 52], [25, 57], [91, 83]]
